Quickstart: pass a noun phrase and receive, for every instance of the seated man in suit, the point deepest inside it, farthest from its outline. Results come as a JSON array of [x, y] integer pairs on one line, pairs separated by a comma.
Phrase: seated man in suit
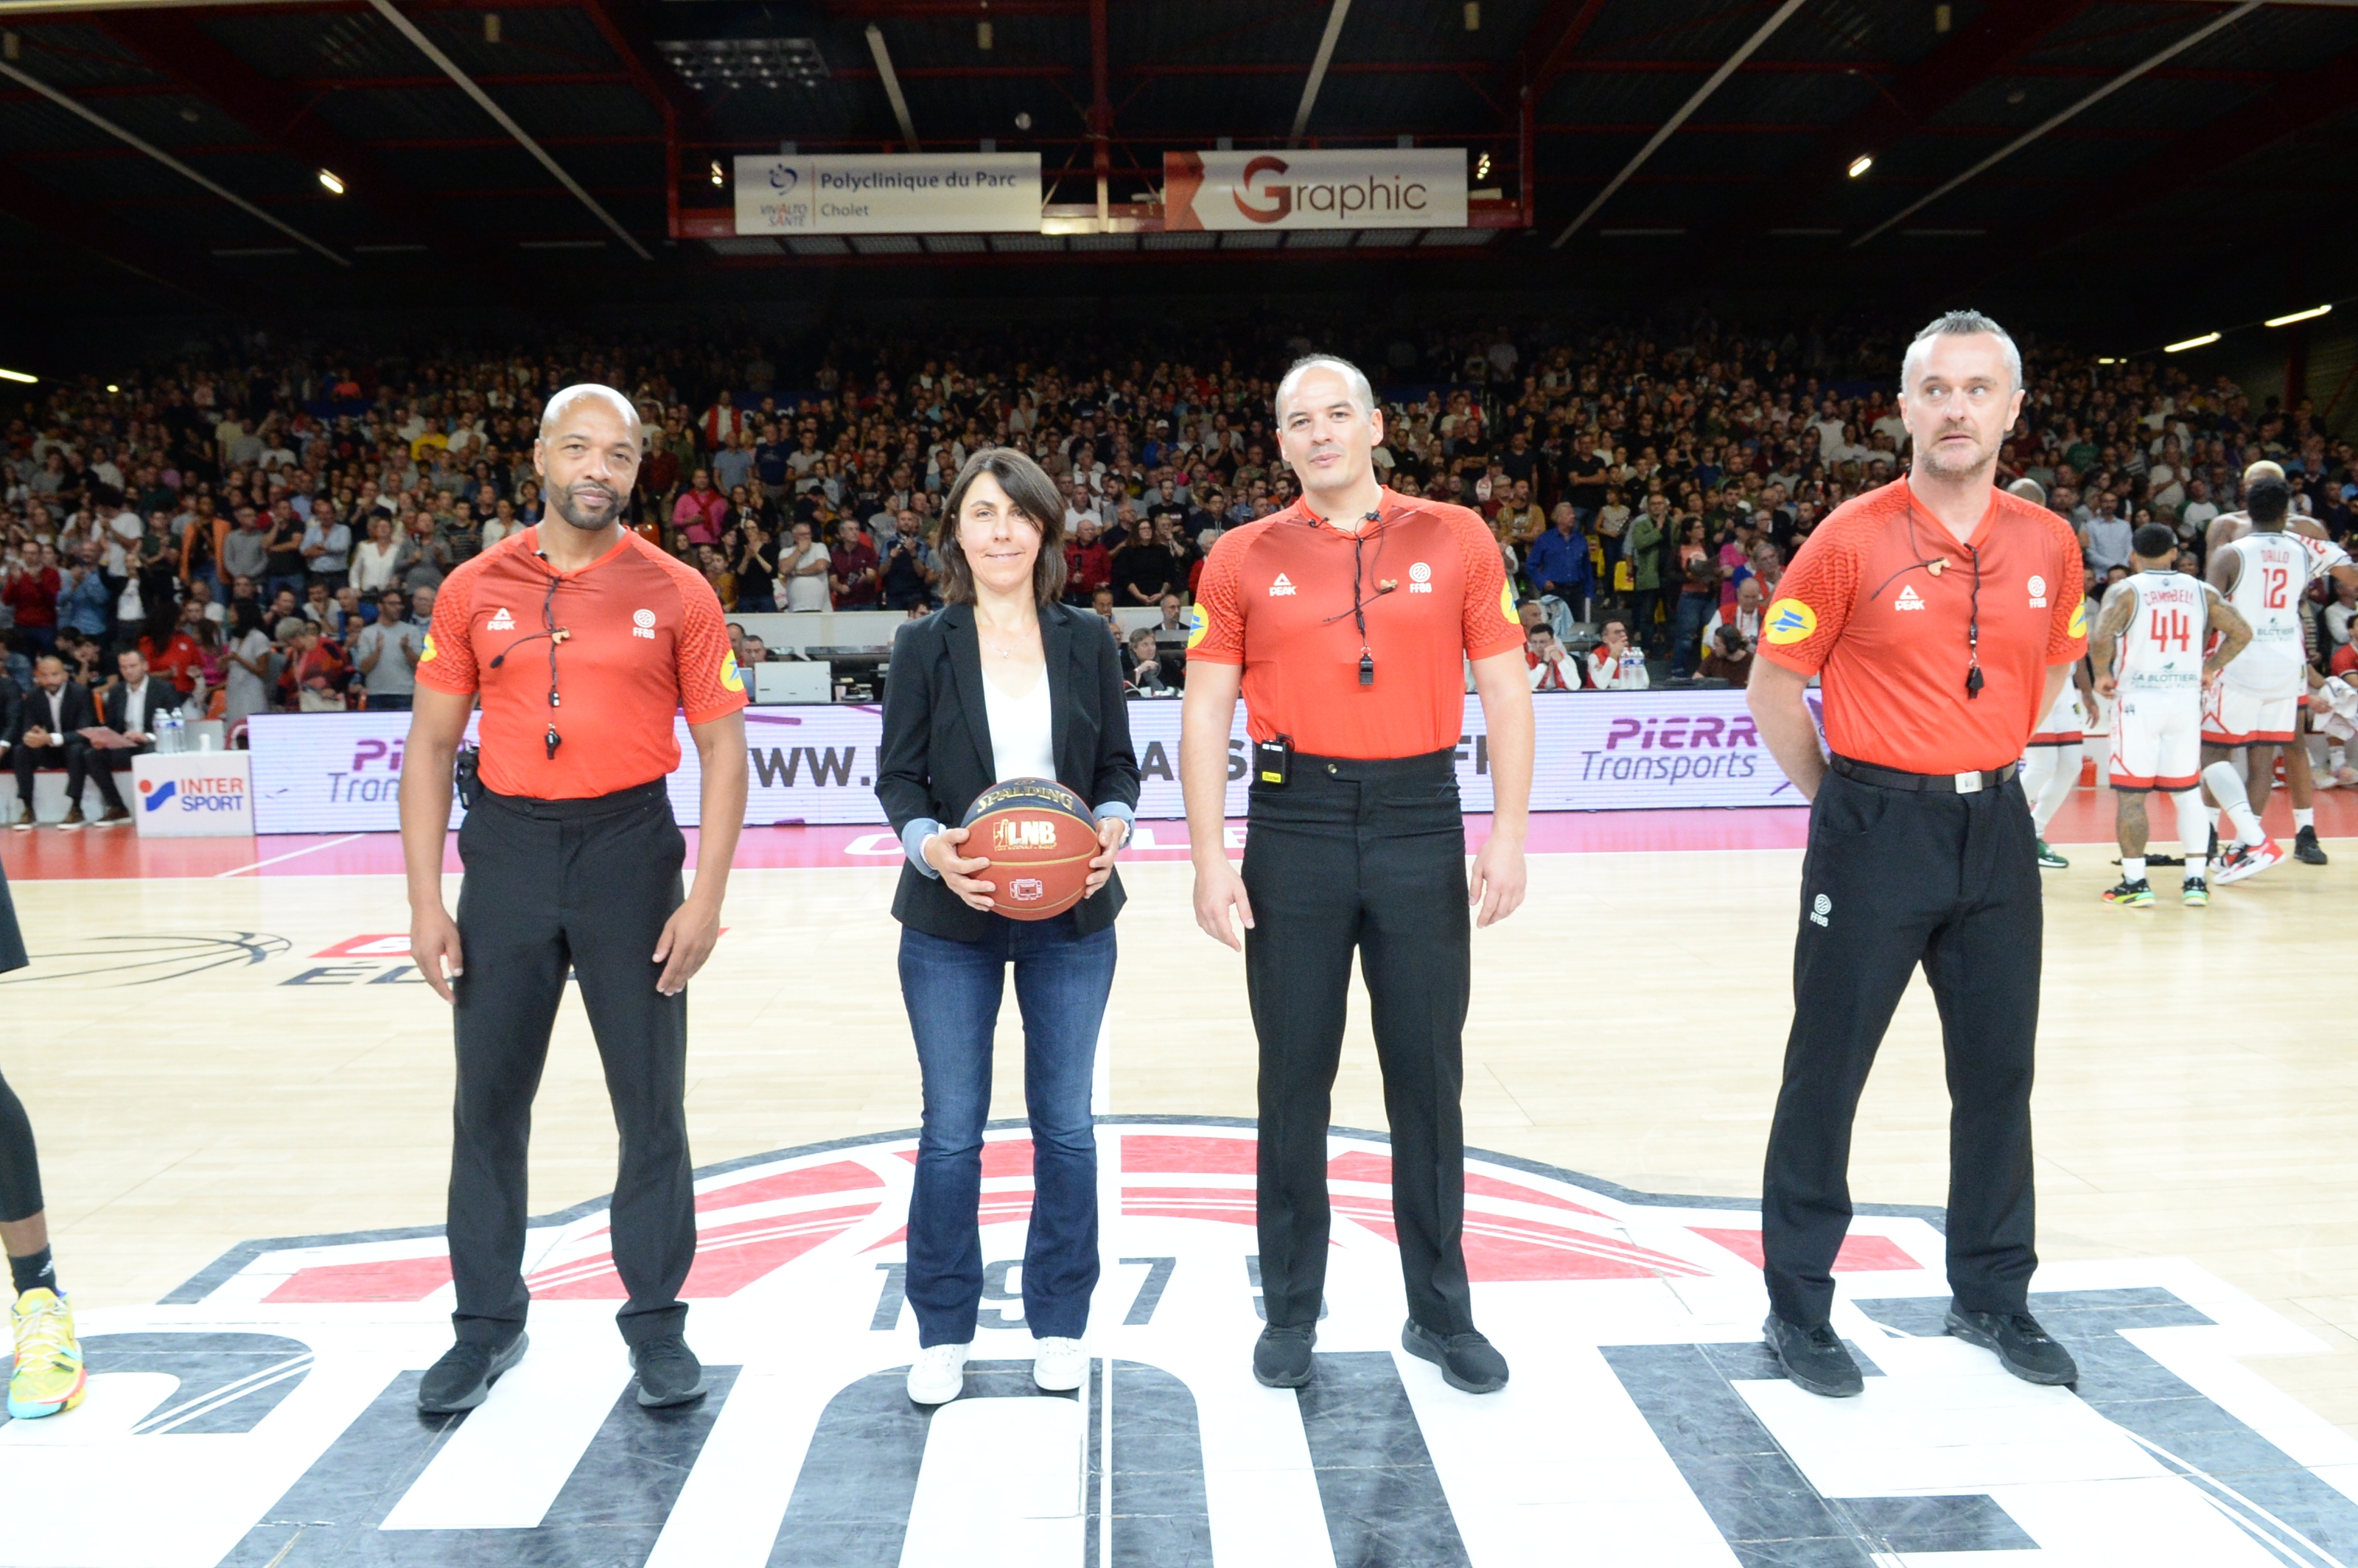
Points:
[[48, 735], [131, 709]]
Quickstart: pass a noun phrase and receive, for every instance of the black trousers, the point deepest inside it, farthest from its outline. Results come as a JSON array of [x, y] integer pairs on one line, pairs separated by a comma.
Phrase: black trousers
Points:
[[72, 755], [1894, 879], [100, 763], [589, 884], [1368, 856]]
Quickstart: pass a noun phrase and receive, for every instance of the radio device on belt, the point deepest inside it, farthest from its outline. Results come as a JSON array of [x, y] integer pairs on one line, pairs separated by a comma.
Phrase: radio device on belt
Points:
[[1273, 761], [466, 774]]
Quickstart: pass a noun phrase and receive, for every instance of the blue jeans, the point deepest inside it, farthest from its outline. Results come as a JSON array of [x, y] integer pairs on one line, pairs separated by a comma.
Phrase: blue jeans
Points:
[[1695, 611], [953, 991]]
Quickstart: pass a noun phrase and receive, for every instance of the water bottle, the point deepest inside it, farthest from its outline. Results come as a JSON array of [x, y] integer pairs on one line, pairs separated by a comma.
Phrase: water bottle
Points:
[[169, 734], [1632, 661]]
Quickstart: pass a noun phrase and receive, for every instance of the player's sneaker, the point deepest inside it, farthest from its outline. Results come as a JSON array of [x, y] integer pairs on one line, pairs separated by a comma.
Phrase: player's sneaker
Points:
[[48, 1375], [2247, 860], [2305, 847], [2049, 860], [2130, 895], [2196, 893]]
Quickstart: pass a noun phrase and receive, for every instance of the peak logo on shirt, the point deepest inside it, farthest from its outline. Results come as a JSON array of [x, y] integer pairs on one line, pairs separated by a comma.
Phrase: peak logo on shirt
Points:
[[1908, 600], [1281, 589], [1790, 620], [731, 677], [1199, 626], [501, 620]]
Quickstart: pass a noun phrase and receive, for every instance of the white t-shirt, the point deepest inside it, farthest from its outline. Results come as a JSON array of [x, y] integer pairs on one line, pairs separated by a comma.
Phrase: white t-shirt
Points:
[[805, 592], [1023, 731]]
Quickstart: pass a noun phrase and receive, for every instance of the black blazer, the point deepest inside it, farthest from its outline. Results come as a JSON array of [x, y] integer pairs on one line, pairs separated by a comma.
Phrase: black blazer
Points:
[[78, 713], [114, 707], [937, 755]]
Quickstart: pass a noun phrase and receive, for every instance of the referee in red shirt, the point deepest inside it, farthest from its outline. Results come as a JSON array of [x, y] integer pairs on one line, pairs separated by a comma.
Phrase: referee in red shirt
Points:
[[1345, 623], [583, 641], [1943, 616]]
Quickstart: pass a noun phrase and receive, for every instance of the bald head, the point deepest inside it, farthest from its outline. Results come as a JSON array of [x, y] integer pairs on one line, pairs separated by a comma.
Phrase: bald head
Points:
[[570, 400]]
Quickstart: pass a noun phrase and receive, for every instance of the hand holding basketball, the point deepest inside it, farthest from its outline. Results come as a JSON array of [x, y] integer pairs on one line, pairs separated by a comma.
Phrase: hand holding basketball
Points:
[[957, 875], [1113, 833]]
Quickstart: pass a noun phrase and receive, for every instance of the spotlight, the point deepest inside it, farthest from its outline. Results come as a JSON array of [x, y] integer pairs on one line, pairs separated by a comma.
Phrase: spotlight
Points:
[[112, 387], [1861, 164], [2180, 348], [2312, 314], [329, 179], [716, 171], [19, 376], [1482, 166]]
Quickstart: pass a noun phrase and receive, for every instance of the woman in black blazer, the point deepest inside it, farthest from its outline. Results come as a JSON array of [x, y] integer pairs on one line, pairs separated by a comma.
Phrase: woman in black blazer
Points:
[[1004, 683]]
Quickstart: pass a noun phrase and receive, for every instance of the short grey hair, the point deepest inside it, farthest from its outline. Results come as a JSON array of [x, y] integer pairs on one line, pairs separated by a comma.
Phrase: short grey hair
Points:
[[2029, 489], [581, 389], [1959, 324], [1362, 393]]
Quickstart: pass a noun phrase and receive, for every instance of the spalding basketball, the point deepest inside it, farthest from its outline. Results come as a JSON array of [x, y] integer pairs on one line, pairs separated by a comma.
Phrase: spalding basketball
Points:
[[1039, 838]]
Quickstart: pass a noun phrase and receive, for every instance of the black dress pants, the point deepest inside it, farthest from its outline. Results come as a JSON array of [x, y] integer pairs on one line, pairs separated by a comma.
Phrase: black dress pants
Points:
[[1893, 879], [1368, 856], [72, 755], [585, 884]]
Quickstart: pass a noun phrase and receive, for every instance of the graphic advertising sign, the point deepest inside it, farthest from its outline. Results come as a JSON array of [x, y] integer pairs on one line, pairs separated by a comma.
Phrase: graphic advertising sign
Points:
[[1392, 187], [329, 773], [193, 794], [266, 1413], [890, 193]]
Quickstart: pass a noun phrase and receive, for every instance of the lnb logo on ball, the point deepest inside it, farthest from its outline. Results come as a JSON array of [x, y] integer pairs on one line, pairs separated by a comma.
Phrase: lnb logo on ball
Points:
[[273, 1398]]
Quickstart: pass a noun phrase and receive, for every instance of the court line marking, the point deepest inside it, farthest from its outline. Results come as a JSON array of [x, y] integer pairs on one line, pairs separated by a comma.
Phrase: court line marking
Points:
[[290, 855]]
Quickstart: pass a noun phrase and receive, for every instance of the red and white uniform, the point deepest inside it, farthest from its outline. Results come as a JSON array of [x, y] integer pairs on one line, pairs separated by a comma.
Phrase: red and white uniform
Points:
[[2157, 721], [2066, 723], [2255, 701]]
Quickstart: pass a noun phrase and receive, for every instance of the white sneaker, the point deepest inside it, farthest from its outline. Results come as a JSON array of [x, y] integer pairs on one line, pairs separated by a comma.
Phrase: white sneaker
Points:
[[938, 1374], [1058, 1366]]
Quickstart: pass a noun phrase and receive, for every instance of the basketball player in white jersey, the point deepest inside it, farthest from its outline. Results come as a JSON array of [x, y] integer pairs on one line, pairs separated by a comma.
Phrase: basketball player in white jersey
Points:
[[2252, 708], [2147, 648], [2300, 779], [2051, 760]]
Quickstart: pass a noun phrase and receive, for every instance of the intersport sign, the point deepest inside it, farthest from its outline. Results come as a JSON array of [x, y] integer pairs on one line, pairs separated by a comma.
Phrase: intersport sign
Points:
[[1391, 187]]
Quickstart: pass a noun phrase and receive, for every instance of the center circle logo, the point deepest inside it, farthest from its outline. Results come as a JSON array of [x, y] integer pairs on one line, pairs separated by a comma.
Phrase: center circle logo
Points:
[[1420, 573], [644, 618], [2038, 588], [1824, 904]]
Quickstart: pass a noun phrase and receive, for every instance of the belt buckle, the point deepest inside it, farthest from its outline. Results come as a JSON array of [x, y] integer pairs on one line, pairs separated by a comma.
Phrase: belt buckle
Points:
[[1969, 781]]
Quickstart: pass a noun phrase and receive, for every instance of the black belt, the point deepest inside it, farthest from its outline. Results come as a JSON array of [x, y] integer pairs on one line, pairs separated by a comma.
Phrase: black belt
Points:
[[1970, 782]]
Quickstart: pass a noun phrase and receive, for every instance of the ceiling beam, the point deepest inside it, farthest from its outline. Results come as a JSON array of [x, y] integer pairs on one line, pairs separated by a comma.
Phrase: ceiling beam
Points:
[[623, 24], [1728, 68], [1984, 48], [46, 208], [900, 99], [172, 44], [2187, 41], [83, 111], [2203, 153], [1547, 50], [1336, 13], [483, 101]]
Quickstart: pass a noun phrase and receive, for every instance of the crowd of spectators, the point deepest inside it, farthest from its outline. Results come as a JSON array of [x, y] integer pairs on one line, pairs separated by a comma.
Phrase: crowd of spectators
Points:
[[266, 526]]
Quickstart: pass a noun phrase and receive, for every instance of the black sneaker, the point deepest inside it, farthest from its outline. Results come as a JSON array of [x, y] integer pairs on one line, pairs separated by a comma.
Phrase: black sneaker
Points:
[[2305, 847], [1468, 1362], [1281, 1356], [2023, 1347], [1814, 1358], [463, 1378], [669, 1373]]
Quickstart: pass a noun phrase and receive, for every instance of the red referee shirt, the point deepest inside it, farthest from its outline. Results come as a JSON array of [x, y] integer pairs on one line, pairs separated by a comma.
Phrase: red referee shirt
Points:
[[1877, 603], [1275, 597], [645, 639]]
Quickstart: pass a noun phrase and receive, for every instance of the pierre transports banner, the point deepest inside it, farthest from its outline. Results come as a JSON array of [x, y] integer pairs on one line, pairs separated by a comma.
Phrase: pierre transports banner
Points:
[[890, 193], [1394, 188], [329, 773]]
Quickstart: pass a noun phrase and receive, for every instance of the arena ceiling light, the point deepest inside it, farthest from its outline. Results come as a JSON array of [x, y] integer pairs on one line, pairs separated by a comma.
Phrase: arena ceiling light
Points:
[[332, 181], [2312, 314], [714, 65], [19, 376], [2181, 346], [1861, 164]]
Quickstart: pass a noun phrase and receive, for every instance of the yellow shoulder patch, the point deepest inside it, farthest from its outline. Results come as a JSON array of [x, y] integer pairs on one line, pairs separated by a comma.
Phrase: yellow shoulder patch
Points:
[[427, 656], [731, 676], [1199, 625], [1790, 620], [1507, 604], [2078, 625]]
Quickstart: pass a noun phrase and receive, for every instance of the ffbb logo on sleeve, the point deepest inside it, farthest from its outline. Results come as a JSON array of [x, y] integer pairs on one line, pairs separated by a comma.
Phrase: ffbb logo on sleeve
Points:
[[1790, 620]]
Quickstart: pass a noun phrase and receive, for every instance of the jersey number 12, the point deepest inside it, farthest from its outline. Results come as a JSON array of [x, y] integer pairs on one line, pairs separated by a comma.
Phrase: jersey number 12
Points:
[[2273, 582]]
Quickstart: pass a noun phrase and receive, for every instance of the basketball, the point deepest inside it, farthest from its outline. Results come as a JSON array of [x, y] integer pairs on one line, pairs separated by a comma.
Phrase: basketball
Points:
[[1039, 838]]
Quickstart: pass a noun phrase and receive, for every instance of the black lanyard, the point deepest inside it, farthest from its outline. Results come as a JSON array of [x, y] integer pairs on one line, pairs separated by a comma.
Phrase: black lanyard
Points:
[[1360, 599]]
